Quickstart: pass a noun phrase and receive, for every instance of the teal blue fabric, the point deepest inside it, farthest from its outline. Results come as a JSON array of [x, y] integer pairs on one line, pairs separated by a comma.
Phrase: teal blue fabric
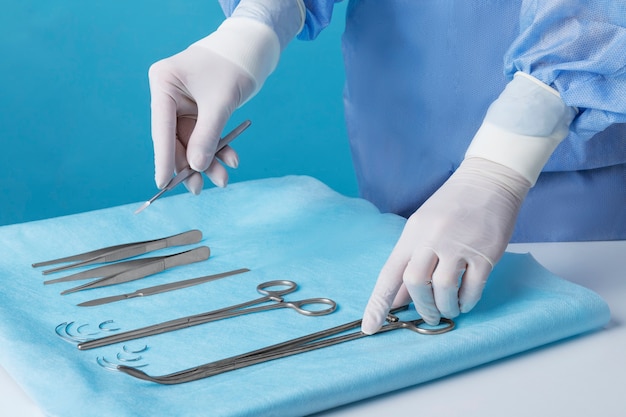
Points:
[[282, 228]]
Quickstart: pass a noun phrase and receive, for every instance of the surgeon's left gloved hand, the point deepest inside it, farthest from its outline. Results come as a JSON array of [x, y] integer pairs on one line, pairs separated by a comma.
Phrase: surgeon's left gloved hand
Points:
[[450, 244]]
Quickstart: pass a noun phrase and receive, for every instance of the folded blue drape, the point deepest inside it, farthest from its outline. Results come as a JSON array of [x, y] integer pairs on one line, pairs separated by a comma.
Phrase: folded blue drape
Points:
[[292, 228]]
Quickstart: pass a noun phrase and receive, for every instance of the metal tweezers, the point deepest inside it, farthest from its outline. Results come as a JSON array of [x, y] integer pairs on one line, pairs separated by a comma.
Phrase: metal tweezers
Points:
[[132, 270], [124, 251], [292, 347]]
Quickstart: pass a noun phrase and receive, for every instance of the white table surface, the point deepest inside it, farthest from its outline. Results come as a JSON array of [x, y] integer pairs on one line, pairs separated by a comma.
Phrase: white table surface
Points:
[[582, 376]]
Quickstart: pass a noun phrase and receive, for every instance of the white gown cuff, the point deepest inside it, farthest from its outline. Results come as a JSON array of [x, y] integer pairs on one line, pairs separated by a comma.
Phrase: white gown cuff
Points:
[[523, 127], [247, 43]]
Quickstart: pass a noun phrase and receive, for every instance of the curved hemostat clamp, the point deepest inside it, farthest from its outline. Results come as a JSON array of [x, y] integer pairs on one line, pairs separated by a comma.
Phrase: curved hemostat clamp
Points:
[[292, 347]]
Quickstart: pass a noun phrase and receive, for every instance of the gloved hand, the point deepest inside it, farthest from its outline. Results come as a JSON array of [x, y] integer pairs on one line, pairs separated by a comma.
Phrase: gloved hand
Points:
[[193, 95], [450, 244], [195, 91]]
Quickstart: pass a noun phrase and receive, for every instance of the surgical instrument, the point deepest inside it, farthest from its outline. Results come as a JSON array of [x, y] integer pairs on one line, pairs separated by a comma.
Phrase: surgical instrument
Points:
[[107, 270], [292, 347], [187, 171], [140, 268], [158, 289], [275, 296], [124, 251]]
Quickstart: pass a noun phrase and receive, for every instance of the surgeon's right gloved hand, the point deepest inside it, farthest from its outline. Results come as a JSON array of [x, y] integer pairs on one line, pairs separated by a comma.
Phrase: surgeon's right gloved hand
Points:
[[450, 244], [194, 93]]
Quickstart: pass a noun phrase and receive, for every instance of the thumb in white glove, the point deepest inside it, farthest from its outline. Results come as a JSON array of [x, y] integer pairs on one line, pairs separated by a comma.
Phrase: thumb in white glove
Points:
[[449, 245], [195, 92], [193, 95]]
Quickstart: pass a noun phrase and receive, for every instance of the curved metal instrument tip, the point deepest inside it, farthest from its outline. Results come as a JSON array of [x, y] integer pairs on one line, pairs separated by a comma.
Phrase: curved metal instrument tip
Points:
[[132, 371], [142, 207]]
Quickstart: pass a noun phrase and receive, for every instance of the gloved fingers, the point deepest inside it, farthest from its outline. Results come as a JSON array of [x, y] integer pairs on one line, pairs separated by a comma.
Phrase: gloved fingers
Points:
[[402, 298], [385, 291], [185, 124], [418, 279], [217, 173], [446, 285], [473, 284], [205, 136], [229, 156], [184, 127], [194, 183], [163, 108]]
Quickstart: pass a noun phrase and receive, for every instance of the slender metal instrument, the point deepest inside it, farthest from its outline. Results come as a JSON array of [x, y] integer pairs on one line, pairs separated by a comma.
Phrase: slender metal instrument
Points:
[[139, 268], [123, 251], [269, 295], [158, 289], [325, 338], [186, 172]]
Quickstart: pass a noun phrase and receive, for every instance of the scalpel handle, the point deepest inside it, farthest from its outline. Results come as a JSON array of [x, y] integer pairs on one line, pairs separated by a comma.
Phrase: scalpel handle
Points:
[[158, 289], [187, 171]]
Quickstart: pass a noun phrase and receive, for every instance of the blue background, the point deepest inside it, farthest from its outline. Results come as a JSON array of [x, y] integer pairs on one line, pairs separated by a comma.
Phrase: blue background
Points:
[[75, 120]]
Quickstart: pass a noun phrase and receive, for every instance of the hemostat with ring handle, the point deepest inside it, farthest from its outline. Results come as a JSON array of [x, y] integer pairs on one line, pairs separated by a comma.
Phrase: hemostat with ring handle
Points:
[[292, 347], [269, 295]]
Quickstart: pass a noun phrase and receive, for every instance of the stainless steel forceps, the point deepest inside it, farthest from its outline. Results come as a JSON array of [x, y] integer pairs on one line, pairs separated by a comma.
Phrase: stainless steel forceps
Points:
[[292, 347], [132, 270], [269, 295], [123, 251]]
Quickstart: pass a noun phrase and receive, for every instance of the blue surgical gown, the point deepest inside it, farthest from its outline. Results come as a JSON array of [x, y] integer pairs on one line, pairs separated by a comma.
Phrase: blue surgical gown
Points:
[[420, 76]]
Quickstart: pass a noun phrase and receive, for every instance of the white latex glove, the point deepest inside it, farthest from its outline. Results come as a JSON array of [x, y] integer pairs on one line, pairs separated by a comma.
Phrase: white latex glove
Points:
[[193, 95], [450, 244], [195, 91]]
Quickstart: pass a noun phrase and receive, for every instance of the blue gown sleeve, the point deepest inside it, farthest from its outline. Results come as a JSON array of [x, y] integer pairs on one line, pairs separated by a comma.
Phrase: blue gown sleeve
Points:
[[579, 48], [318, 15]]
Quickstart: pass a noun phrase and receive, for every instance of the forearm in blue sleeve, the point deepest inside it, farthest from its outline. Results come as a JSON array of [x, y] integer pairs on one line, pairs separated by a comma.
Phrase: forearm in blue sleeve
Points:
[[318, 16], [578, 47]]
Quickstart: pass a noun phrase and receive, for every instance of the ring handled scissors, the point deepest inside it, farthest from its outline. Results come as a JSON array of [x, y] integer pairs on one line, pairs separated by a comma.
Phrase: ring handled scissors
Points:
[[291, 347], [275, 296]]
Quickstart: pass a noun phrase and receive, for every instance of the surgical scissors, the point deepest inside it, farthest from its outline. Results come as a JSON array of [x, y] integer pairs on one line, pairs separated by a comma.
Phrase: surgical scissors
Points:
[[291, 347], [269, 295]]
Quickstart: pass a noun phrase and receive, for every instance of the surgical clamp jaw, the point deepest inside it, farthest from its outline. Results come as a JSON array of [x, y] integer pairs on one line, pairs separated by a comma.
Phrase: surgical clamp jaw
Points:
[[295, 346]]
